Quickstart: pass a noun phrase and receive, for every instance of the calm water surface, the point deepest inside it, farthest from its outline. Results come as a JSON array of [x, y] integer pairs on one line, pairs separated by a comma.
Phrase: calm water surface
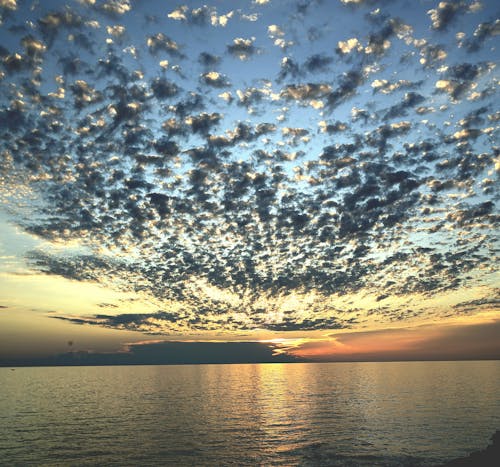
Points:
[[351, 414]]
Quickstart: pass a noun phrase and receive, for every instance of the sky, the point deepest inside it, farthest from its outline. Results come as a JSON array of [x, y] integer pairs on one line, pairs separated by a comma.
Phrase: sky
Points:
[[260, 180]]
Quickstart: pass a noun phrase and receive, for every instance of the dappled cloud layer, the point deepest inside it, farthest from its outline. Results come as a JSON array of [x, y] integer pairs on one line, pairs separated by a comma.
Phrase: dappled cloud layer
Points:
[[255, 164]]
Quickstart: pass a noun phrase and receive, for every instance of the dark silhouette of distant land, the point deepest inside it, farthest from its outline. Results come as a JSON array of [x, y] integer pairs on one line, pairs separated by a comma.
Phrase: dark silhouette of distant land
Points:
[[489, 457], [165, 353]]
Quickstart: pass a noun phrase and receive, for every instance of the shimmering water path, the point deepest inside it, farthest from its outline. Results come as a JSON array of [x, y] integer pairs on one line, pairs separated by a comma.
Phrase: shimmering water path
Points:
[[415, 413]]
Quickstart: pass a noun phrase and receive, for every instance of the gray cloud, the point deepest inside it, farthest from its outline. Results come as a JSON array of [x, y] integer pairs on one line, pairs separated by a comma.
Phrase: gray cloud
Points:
[[225, 192], [242, 48], [446, 12]]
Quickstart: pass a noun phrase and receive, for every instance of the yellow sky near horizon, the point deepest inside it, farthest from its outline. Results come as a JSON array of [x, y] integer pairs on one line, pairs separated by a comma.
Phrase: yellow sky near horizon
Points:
[[32, 299]]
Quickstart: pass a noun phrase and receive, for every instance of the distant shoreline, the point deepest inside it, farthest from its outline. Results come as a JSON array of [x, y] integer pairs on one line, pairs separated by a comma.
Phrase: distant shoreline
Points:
[[83, 363]]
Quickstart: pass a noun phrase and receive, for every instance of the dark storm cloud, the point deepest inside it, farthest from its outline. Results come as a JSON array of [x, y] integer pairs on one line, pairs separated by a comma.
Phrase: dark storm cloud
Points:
[[225, 188]]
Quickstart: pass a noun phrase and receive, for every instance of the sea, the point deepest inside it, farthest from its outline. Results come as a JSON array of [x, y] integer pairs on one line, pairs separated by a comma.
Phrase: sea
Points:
[[304, 414]]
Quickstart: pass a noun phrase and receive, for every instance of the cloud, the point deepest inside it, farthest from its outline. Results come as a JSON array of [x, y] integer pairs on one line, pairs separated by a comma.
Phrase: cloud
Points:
[[115, 7], [242, 48], [207, 59], [202, 16], [252, 194], [215, 79], [203, 123], [304, 92], [162, 43], [8, 4], [317, 63], [164, 89], [482, 33], [348, 83], [409, 101], [288, 68], [446, 12], [357, 2], [385, 87], [432, 54], [349, 45], [306, 325], [459, 79], [179, 14], [274, 31], [332, 127], [492, 302]]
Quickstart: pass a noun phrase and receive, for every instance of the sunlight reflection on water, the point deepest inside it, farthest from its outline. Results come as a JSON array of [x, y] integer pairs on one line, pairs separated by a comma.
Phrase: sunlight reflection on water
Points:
[[415, 413]]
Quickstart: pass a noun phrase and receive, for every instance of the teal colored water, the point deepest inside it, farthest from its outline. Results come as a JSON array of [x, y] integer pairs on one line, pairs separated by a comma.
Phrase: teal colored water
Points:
[[405, 413]]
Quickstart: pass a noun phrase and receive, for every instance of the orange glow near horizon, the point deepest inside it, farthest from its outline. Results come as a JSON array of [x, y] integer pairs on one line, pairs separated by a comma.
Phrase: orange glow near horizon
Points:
[[477, 340]]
